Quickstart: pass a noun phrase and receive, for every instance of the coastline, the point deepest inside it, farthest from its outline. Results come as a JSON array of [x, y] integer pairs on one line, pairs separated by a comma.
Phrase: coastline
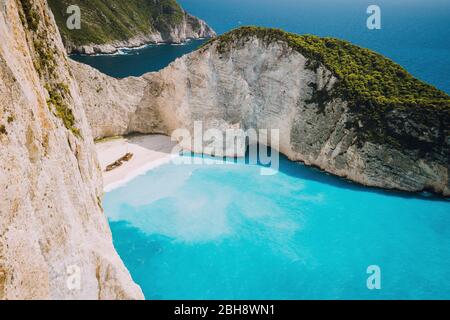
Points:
[[149, 152], [177, 36], [125, 50]]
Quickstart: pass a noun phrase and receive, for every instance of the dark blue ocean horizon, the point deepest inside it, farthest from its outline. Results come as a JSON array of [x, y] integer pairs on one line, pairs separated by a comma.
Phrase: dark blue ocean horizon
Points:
[[415, 33]]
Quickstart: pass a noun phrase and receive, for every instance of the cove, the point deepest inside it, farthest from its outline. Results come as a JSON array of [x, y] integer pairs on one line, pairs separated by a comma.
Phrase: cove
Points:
[[226, 232], [136, 62]]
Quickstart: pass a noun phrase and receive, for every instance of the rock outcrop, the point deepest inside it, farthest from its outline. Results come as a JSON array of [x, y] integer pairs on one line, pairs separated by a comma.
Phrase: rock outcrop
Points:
[[111, 103], [126, 24], [55, 242], [190, 28], [266, 79]]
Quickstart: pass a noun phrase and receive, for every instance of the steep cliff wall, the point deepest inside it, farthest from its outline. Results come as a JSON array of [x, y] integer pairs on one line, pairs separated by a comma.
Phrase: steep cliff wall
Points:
[[389, 132], [55, 241], [110, 24], [111, 102]]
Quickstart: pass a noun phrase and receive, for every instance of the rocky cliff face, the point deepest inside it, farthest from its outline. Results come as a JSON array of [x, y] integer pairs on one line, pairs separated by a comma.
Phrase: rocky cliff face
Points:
[[55, 241], [190, 28], [260, 83], [113, 24], [111, 103]]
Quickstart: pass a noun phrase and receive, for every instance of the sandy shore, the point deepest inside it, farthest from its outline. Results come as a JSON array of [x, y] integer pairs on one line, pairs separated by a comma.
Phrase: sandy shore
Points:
[[149, 151]]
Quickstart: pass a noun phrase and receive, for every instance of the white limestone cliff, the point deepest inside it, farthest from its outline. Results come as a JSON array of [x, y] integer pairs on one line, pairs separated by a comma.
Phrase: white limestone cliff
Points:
[[55, 242]]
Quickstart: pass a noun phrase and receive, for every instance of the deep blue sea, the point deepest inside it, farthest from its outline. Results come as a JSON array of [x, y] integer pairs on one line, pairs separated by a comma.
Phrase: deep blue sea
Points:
[[225, 232], [137, 62], [414, 33]]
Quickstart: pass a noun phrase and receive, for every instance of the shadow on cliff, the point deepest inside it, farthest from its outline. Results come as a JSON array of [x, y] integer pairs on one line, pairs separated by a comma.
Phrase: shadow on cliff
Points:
[[154, 142]]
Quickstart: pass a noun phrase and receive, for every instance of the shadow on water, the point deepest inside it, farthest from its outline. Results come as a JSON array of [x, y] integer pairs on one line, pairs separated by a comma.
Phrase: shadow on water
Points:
[[286, 166], [304, 172], [158, 259]]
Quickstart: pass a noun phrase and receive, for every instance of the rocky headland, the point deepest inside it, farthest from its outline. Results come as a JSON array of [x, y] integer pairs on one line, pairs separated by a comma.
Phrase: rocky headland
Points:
[[107, 26]]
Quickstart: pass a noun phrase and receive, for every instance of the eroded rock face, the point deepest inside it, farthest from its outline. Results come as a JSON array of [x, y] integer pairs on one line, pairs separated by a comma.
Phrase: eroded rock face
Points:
[[190, 28], [257, 85], [55, 242], [112, 102]]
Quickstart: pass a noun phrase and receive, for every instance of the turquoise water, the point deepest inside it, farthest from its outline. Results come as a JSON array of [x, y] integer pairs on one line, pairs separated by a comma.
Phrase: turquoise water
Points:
[[415, 33], [226, 232]]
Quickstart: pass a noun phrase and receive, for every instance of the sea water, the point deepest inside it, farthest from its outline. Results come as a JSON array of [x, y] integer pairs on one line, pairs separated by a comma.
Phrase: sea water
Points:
[[224, 231], [414, 33], [136, 62]]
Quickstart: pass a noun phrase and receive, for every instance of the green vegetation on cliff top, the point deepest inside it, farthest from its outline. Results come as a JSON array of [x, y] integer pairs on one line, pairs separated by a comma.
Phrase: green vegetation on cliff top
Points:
[[388, 105], [103, 21], [365, 77], [44, 54]]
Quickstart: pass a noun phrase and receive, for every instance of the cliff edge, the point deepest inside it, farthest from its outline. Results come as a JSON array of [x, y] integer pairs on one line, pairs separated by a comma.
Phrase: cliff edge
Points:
[[55, 242], [112, 24]]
